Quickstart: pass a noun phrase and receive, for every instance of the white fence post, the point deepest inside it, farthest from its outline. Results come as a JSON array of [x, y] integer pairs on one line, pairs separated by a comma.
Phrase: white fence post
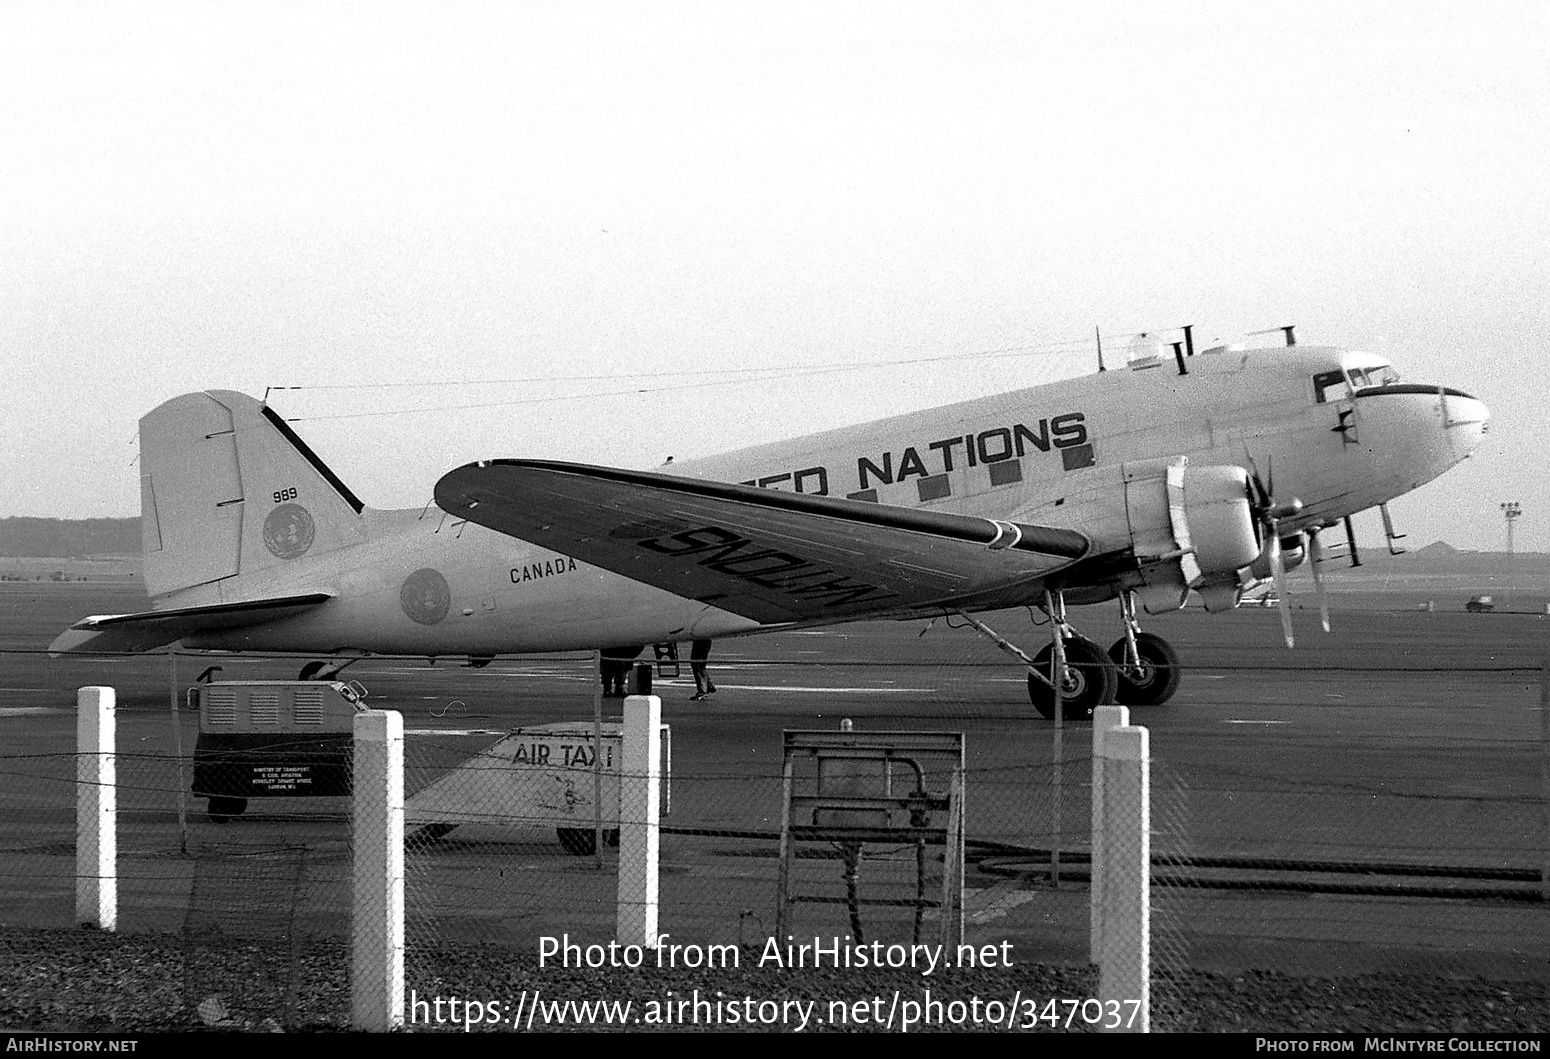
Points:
[[1124, 965], [377, 971], [1104, 719], [640, 801], [96, 810]]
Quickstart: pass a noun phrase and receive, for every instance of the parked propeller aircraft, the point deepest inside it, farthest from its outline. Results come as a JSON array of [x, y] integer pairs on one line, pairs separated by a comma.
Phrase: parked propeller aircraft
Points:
[[1210, 472]]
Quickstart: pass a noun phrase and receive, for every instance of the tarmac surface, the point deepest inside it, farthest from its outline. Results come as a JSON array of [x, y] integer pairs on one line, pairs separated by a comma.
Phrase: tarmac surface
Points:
[[1403, 738]]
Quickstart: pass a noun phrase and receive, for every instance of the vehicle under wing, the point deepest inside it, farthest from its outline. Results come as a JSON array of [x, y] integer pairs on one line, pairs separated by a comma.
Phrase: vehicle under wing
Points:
[[771, 556], [115, 633]]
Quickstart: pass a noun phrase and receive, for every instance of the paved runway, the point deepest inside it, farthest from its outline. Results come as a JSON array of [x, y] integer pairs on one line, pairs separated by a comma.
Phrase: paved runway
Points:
[[1403, 737]]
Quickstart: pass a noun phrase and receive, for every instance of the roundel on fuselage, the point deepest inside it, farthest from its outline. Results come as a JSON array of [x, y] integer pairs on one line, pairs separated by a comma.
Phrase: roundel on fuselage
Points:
[[289, 531], [425, 596]]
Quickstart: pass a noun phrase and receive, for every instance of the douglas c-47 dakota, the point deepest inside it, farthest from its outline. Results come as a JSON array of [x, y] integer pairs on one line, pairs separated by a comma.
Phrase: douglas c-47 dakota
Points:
[[1208, 473]]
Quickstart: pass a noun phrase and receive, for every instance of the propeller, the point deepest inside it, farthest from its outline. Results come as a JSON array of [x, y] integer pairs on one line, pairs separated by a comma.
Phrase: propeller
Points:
[[1270, 512], [1316, 556], [1272, 517]]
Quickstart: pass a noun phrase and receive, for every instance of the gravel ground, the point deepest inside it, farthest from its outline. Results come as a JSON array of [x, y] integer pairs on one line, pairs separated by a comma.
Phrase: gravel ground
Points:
[[88, 981]]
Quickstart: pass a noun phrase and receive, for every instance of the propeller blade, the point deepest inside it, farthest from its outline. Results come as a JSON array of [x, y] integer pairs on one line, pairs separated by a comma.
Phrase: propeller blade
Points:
[[1316, 556], [1268, 511], [1278, 573], [1259, 492]]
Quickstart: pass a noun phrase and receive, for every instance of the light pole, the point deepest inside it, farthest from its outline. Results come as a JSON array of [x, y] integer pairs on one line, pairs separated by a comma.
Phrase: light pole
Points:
[[1511, 511]]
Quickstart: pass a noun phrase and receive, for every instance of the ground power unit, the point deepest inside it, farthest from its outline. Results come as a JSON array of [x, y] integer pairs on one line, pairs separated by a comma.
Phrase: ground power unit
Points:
[[272, 739]]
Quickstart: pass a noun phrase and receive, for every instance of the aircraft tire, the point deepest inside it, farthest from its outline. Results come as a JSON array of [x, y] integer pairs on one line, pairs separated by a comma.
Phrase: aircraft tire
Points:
[[311, 670], [1159, 676], [220, 810], [1091, 680]]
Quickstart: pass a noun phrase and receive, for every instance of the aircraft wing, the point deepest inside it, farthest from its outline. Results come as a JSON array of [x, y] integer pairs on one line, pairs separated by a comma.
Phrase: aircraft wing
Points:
[[155, 628], [771, 556]]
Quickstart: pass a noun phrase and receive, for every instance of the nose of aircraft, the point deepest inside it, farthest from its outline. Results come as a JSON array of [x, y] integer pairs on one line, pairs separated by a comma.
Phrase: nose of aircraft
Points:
[[1419, 431], [1464, 419]]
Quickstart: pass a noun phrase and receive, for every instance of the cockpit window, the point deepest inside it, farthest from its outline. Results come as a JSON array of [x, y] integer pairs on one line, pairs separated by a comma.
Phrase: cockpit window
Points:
[[1329, 386], [1383, 375]]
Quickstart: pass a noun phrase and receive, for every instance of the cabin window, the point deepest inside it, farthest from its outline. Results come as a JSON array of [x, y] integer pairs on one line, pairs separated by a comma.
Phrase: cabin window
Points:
[[1006, 472], [934, 488], [1329, 386], [869, 495]]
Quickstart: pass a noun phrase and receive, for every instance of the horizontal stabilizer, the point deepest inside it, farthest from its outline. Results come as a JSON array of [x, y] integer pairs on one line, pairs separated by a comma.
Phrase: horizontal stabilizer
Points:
[[768, 555], [119, 633]]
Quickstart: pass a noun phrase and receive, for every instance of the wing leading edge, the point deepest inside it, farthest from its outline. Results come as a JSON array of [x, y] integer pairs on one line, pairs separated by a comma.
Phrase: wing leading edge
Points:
[[771, 556]]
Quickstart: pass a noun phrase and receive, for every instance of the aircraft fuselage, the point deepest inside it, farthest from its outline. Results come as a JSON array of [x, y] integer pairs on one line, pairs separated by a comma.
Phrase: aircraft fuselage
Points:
[[421, 582]]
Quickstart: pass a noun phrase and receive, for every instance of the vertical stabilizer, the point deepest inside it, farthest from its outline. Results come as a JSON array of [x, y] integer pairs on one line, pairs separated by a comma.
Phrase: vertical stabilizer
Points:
[[228, 489]]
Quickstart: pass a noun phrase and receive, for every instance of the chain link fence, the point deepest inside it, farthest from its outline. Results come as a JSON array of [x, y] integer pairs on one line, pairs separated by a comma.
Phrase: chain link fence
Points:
[[1330, 855]]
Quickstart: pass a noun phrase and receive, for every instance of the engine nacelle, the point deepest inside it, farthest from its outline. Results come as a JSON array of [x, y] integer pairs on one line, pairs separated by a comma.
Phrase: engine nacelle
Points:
[[1185, 527], [1188, 526], [1217, 518]]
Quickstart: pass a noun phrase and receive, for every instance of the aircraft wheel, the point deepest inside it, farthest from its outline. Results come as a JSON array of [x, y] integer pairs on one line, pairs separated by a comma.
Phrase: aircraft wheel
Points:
[[1090, 681], [221, 810], [311, 670], [1157, 679]]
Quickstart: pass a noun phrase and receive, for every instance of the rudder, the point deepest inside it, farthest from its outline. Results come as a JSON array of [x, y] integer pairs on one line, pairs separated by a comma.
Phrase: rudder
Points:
[[228, 489]]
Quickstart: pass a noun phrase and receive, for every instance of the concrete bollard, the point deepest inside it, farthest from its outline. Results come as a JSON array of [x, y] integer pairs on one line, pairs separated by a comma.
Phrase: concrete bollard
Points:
[[1105, 718], [640, 803], [1124, 966], [377, 970], [96, 810]]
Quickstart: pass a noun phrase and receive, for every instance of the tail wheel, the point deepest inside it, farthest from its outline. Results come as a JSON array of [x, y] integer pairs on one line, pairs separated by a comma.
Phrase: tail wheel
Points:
[[1155, 680], [1090, 681]]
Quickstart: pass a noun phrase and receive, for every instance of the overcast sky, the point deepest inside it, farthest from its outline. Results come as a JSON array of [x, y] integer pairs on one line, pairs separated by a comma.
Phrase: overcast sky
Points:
[[629, 207]]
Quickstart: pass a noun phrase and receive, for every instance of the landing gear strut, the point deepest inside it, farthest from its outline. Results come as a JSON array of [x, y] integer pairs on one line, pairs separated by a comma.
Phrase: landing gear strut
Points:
[[1146, 665], [1087, 678]]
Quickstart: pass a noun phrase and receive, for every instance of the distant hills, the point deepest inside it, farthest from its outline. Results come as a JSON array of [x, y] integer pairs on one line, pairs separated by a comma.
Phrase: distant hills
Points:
[[57, 538], [1442, 558]]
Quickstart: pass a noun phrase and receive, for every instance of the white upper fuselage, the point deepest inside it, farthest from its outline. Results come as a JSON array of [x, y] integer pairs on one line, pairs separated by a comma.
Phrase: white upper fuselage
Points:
[[1050, 455], [1024, 455]]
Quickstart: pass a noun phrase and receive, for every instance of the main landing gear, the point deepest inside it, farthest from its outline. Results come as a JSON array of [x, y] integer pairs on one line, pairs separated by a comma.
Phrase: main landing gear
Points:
[[1140, 669], [1146, 665]]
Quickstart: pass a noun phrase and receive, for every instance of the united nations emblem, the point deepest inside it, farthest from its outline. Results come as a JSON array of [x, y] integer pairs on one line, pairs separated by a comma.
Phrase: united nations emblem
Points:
[[425, 596], [288, 531]]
